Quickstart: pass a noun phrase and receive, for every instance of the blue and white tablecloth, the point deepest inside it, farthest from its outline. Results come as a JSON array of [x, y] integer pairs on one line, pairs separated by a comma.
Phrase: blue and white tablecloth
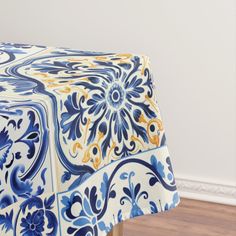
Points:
[[82, 143]]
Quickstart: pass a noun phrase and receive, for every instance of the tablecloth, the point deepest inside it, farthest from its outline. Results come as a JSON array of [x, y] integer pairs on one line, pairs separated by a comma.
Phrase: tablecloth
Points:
[[82, 142]]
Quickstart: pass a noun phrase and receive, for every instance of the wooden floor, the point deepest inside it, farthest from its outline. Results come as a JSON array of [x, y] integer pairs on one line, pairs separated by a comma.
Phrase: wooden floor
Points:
[[190, 218]]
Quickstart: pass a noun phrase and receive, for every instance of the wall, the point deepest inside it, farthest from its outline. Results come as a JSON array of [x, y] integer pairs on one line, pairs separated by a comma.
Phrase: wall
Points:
[[192, 47]]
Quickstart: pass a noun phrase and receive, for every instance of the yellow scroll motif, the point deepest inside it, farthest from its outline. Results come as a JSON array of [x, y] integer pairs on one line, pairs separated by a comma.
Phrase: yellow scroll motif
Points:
[[145, 62], [76, 146], [94, 153], [152, 103], [154, 138], [113, 146]]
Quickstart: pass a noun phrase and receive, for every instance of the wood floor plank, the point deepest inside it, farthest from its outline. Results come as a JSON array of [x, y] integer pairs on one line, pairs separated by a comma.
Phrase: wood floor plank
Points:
[[190, 218]]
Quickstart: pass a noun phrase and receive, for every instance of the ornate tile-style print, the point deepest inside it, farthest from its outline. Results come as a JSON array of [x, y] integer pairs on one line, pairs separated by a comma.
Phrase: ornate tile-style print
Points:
[[82, 142]]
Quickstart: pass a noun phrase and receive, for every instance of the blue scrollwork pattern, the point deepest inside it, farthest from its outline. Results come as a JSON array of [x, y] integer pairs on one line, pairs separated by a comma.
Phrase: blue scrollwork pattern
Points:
[[84, 211], [35, 216], [23, 151]]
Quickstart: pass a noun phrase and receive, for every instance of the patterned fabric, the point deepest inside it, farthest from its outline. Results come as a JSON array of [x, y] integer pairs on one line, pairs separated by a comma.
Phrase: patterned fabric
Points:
[[82, 144]]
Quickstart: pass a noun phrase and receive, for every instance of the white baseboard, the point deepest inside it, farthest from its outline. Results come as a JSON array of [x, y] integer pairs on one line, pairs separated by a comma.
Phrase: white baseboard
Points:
[[205, 191]]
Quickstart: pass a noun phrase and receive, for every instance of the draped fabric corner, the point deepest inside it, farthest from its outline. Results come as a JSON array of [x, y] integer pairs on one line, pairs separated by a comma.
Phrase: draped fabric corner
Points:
[[82, 143]]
